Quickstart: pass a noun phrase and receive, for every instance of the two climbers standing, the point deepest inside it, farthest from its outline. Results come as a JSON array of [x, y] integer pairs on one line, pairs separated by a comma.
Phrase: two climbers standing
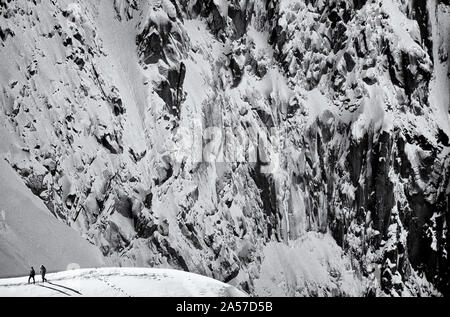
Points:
[[43, 271], [31, 276]]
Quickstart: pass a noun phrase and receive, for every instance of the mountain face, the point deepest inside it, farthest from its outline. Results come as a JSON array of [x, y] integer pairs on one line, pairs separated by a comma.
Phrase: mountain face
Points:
[[286, 147]]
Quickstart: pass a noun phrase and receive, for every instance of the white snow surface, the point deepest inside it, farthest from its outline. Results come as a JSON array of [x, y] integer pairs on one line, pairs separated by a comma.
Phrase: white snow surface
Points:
[[30, 235], [119, 282], [311, 265]]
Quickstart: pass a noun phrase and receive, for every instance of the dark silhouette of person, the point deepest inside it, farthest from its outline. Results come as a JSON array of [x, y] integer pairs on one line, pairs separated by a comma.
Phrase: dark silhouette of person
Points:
[[31, 276], [43, 271]]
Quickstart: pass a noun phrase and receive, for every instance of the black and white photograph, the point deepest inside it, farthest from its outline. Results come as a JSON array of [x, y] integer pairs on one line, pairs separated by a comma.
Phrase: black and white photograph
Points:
[[251, 149]]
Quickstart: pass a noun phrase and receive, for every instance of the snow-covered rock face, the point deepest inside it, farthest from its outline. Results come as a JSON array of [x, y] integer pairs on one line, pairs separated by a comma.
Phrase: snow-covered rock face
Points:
[[211, 135]]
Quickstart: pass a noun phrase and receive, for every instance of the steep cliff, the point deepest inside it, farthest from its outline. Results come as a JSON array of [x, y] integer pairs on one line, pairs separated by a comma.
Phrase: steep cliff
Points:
[[221, 136]]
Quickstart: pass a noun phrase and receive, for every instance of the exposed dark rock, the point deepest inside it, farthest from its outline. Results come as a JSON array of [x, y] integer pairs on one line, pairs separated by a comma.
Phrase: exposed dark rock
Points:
[[443, 137], [266, 185], [148, 200], [236, 71], [292, 108], [117, 242], [401, 162], [232, 275], [239, 18], [339, 37], [79, 38], [174, 257], [349, 62], [176, 80], [107, 141], [145, 229], [4, 33], [278, 37], [153, 48], [421, 15], [79, 61], [379, 183], [36, 184], [190, 233], [70, 200], [165, 93], [266, 118], [168, 172], [118, 107], [136, 156], [123, 205], [209, 9], [370, 80], [359, 4], [334, 18]]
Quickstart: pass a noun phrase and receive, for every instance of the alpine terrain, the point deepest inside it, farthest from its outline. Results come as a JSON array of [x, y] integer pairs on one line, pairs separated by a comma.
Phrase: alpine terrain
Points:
[[123, 282], [287, 148]]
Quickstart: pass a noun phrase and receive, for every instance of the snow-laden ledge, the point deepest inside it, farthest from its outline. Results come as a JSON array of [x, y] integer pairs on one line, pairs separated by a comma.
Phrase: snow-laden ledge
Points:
[[149, 282]]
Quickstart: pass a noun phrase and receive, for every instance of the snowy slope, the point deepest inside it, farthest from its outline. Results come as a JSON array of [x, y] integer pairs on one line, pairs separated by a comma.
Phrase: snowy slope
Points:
[[311, 266], [31, 236], [123, 282]]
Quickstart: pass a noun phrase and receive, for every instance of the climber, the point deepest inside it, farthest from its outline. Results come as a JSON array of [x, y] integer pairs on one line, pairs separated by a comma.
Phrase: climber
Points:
[[32, 274], [43, 271]]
